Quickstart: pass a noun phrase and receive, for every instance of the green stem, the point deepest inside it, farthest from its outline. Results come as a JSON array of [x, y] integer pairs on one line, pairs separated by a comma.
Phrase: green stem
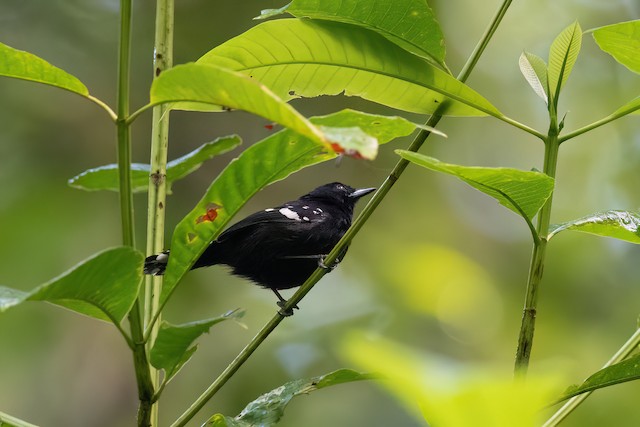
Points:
[[536, 267], [228, 372], [377, 198], [157, 194], [520, 126], [104, 106], [141, 363], [6, 419], [625, 351], [597, 124]]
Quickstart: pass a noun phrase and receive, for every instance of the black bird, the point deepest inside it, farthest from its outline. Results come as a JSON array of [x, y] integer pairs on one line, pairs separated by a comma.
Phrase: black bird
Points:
[[279, 248]]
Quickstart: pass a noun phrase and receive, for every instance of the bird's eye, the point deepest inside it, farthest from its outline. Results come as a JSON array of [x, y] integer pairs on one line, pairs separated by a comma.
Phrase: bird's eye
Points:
[[340, 187]]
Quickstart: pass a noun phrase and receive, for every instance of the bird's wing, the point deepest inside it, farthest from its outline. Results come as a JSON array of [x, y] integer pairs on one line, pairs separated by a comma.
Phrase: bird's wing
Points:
[[287, 214]]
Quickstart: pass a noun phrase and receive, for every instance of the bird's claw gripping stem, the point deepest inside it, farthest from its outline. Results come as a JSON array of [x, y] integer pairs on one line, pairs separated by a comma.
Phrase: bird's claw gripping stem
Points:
[[322, 265], [282, 304]]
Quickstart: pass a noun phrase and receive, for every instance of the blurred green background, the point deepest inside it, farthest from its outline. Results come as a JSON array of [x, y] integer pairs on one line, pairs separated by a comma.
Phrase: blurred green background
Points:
[[438, 267]]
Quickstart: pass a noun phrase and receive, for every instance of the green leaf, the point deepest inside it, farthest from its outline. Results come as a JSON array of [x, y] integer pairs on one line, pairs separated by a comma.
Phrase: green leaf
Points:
[[534, 69], [308, 58], [627, 370], [443, 392], [269, 408], [219, 420], [104, 286], [265, 162], [522, 192], [210, 84], [410, 24], [622, 41], [562, 57], [174, 347], [631, 107], [27, 66], [106, 177], [621, 225]]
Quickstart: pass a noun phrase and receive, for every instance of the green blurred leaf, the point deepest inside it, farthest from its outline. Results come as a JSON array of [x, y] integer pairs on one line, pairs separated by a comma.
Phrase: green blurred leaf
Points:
[[210, 84], [621, 225], [410, 24], [106, 177], [523, 192], [446, 393], [627, 370], [622, 41], [104, 286], [265, 162], [269, 408], [27, 66], [562, 57], [219, 420], [308, 58], [534, 69], [174, 347]]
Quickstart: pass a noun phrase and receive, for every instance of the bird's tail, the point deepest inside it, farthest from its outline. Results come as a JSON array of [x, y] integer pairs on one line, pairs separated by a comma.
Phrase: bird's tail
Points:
[[156, 264]]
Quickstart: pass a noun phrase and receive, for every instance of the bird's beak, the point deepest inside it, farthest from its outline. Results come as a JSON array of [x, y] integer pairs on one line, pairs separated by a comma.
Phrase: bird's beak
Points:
[[361, 192]]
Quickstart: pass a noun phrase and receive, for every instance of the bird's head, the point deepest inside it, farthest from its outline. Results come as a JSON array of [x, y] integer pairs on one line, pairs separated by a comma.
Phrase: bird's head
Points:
[[338, 192]]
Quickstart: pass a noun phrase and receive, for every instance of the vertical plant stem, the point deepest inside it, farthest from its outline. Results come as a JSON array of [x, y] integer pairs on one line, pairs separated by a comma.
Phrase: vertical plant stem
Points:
[[141, 364], [377, 198], [162, 60], [536, 267]]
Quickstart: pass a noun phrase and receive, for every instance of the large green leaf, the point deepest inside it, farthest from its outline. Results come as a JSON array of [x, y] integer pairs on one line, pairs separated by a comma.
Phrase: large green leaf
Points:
[[627, 370], [269, 408], [27, 66], [522, 192], [107, 178], [198, 84], [562, 57], [308, 58], [534, 69], [174, 346], [104, 286], [621, 225], [410, 24], [265, 162], [622, 41]]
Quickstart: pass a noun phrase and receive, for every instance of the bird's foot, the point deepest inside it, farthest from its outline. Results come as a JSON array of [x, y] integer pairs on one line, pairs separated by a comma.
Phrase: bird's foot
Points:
[[322, 265], [282, 303], [285, 312]]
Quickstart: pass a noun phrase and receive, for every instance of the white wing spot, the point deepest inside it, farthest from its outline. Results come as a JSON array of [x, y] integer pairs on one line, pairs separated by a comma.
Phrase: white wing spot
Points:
[[269, 210], [305, 218], [164, 258], [305, 207], [290, 214]]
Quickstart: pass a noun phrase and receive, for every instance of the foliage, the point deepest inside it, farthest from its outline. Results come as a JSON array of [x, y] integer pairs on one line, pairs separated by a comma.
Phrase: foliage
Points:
[[391, 53]]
